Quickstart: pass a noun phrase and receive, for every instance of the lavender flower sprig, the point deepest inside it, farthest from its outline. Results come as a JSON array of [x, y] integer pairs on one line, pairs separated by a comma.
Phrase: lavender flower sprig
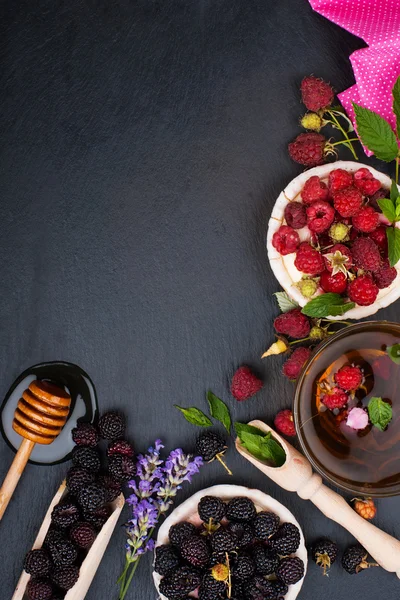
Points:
[[154, 489]]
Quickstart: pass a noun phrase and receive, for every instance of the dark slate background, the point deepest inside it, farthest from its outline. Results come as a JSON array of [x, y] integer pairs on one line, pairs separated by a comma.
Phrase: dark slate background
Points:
[[143, 144]]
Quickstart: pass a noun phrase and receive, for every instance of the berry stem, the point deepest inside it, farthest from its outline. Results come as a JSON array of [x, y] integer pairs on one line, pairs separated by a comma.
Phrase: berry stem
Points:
[[334, 121], [299, 341], [397, 168], [344, 141], [219, 458]]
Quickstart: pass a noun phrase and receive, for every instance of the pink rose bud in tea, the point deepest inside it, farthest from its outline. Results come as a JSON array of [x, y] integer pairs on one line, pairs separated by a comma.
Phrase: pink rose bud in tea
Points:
[[357, 418]]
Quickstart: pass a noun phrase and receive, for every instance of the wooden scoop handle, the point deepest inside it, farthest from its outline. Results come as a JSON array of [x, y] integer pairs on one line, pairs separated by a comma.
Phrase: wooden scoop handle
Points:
[[14, 474]]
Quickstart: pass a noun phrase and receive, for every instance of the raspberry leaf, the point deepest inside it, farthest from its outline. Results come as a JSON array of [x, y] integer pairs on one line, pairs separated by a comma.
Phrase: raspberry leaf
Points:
[[380, 413], [219, 410], [195, 416], [388, 208], [375, 133], [393, 238], [285, 302], [394, 192], [327, 305], [394, 353], [396, 103]]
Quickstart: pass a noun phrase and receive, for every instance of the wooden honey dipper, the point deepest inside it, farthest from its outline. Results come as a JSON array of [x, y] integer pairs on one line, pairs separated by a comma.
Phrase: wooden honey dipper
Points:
[[40, 415]]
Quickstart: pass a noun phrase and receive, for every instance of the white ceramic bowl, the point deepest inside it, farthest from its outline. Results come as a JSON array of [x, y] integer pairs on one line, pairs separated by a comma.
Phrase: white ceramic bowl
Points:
[[188, 512], [283, 266]]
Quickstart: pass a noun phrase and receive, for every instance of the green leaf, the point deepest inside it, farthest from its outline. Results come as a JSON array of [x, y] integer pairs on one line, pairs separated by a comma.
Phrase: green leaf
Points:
[[261, 445], [393, 237], [245, 428], [394, 353], [327, 305], [388, 208], [195, 416], [376, 134], [394, 191], [285, 303], [396, 104], [380, 413], [219, 410]]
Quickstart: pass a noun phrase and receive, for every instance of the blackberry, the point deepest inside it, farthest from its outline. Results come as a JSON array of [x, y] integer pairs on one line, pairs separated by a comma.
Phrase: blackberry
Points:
[[53, 536], [39, 588], [265, 525], [324, 553], [217, 558], [63, 553], [280, 589], [111, 486], [243, 567], [83, 535], [223, 541], [211, 446], [243, 532], [97, 517], [258, 588], [195, 551], [180, 582], [91, 497], [266, 560], [240, 510], [167, 559], [122, 468], [65, 577], [77, 477], [85, 434], [286, 540], [290, 570], [88, 458], [120, 447], [354, 560], [65, 514], [210, 587], [237, 591], [211, 509], [180, 531], [37, 562], [111, 426]]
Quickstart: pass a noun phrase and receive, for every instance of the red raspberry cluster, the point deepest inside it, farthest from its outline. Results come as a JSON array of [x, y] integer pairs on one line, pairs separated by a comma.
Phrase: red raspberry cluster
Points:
[[347, 251], [347, 380]]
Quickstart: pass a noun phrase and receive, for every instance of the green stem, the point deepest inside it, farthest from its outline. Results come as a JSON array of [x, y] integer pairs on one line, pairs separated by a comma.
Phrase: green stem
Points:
[[298, 341], [122, 577], [344, 133], [125, 589], [344, 141], [397, 169]]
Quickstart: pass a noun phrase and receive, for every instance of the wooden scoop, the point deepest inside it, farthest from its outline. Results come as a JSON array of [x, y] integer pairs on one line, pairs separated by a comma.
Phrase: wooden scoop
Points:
[[296, 475], [40, 415]]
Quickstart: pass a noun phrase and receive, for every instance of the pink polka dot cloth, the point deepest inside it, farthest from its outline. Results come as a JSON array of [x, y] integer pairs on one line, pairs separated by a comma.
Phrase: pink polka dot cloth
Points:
[[377, 67]]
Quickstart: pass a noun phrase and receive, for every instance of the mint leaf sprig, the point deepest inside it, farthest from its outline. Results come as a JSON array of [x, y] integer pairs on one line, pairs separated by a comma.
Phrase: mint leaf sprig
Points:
[[380, 413], [261, 445], [327, 305]]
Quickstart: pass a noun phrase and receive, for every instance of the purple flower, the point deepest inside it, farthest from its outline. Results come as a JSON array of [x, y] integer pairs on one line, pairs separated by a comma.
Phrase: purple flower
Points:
[[179, 467]]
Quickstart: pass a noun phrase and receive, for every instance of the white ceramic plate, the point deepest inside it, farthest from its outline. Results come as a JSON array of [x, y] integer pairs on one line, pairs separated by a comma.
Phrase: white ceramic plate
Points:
[[283, 266], [188, 512]]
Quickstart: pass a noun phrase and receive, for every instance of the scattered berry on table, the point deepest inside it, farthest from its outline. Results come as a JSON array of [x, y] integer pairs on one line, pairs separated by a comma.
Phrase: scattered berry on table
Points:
[[65, 577], [111, 426], [365, 507], [293, 323], [121, 467], [211, 446], [65, 514], [324, 553], [85, 434], [286, 240], [290, 570], [284, 422], [354, 560], [367, 220], [314, 189], [265, 525], [180, 582], [63, 553], [339, 179], [245, 384], [82, 535], [39, 588], [295, 215], [78, 477], [266, 560], [308, 149], [194, 550], [380, 238], [111, 486], [166, 559], [309, 260], [366, 254], [336, 284], [223, 541], [338, 259], [363, 290], [120, 447], [181, 531], [366, 182], [37, 562], [91, 497], [316, 93], [296, 361], [385, 275], [243, 567], [311, 121], [97, 517], [243, 532], [335, 398], [320, 216], [87, 458], [348, 201], [348, 378], [240, 509], [286, 540]]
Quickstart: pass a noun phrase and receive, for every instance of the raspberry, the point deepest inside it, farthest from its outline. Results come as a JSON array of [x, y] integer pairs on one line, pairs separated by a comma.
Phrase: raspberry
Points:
[[348, 378], [320, 216], [314, 189], [365, 508], [293, 323], [366, 254], [83, 535], [308, 260], [380, 238], [294, 364], [245, 384], [318, 333], [335, 398], [339, 232], [311, 121], [307, 287], [316, 93], [120, 447], [366, 220], [285, 240], [333, 283], [348, 201], [339, 258], [339, 179], [295, 215], [366, 182], [385, 276], [284, 423], [308, 149]]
